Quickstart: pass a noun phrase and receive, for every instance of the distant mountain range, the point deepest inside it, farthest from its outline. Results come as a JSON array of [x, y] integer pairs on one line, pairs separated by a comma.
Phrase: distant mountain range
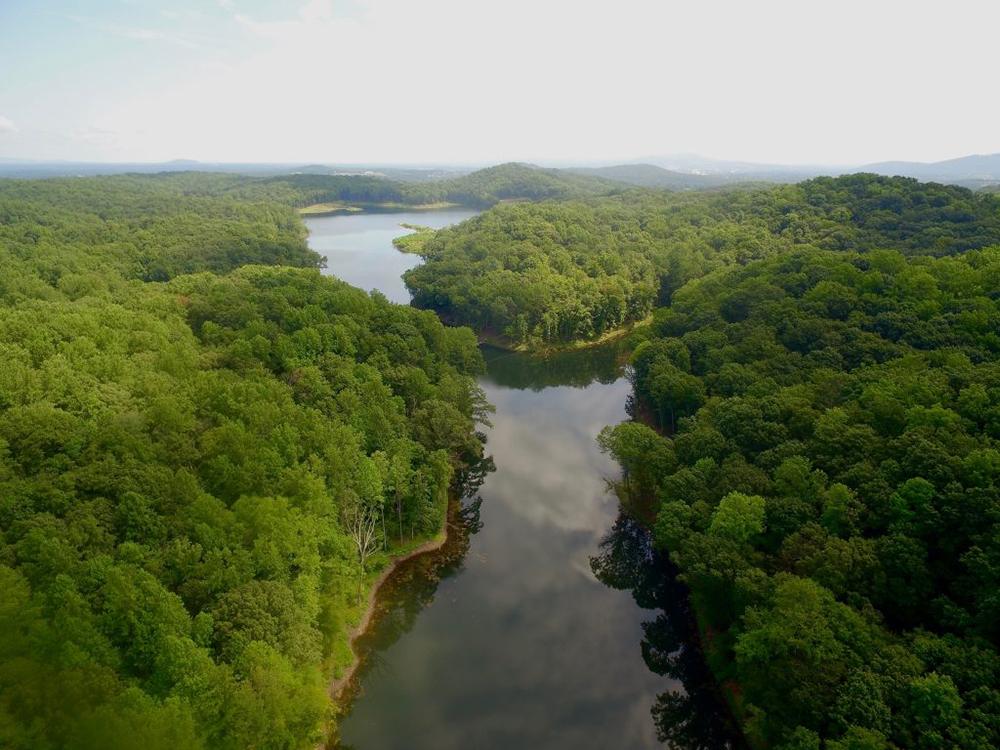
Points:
[[650, 175], [730, 170], [31, 168], [971, 171], [676, 172]]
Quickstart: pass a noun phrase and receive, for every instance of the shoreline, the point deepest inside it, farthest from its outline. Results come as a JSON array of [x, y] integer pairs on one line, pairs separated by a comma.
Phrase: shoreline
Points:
[[339, 208], [337, 685], [498, 341], [413, 242], [726, 691]]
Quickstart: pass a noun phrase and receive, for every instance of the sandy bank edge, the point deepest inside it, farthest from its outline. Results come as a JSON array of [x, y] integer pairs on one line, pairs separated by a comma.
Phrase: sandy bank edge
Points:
[[336, 686]]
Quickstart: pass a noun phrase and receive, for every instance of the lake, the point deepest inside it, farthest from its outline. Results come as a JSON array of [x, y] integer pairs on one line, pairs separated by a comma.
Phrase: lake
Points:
[[359, 250], [548, 621]]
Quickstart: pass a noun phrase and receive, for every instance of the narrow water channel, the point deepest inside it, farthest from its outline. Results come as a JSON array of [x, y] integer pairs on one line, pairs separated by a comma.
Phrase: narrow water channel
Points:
[[549, 622], [358, 246]]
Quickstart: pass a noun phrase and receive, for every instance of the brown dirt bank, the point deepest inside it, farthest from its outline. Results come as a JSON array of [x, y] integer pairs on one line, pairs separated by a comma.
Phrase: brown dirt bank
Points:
[[336, 686]]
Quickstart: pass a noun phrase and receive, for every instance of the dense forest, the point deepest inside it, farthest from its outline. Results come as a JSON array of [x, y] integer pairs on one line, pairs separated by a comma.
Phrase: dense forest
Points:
[[557, 272], [519, 182], [481, 189], [90, 232], [816, 429], [825, 474], [651, 176], [207, 451]]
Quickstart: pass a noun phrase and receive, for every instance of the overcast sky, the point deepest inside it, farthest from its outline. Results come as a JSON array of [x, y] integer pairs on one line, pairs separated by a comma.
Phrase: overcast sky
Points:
[[471, 81]]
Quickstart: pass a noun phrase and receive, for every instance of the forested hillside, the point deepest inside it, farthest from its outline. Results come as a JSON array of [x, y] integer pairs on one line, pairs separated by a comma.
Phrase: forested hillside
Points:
[[651, 176], [826, 476], [91, 231], [557, 272], [481, 189], [822, 373], [514, 181], [208, 450], [194, 449]]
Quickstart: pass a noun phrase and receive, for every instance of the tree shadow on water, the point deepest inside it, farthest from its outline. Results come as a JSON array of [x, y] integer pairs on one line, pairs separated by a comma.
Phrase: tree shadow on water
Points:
[[694, 716], [411, 587]]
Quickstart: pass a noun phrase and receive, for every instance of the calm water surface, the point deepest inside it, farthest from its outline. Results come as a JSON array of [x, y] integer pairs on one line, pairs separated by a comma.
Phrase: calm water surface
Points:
[[359, 250], [549, 622]]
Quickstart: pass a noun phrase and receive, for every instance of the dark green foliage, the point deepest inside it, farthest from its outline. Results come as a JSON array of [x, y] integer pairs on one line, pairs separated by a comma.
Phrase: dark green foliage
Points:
[[481, 189], [557, 272], [834, 507], [176, 459], [540, 273], [513, 181], [650, 176]]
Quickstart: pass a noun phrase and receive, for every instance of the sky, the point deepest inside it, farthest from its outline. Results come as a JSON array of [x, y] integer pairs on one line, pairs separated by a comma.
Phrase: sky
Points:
[[836, 82]]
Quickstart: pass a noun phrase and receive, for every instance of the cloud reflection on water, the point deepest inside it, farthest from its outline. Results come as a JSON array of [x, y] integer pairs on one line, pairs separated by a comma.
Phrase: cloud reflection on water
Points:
[[525, 648]]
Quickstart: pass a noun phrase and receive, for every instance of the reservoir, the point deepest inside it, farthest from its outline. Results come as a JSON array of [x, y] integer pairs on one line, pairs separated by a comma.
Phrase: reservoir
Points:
[[549, 621], [358, 246]]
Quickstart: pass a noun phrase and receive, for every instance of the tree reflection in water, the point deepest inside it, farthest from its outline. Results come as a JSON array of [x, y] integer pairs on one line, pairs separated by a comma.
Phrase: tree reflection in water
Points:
[[411, 587], [577, 368], [692, 718]]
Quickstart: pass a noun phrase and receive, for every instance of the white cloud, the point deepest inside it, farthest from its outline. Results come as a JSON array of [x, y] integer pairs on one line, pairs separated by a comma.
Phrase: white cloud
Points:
[[147, 34], [316, 11], [476, 81], [95, 136], [7, 125]]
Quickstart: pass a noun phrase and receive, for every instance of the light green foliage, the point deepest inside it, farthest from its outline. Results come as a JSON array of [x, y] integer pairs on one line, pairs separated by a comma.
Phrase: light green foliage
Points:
[[556, 272], [802, 739], [858, 738], [738, 516], [415, 241], [175, 457], [77, 238], [539, 273]]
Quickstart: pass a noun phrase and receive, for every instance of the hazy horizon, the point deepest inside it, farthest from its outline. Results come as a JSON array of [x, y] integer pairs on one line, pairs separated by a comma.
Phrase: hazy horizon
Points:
[[480, 164], [460, 82]]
